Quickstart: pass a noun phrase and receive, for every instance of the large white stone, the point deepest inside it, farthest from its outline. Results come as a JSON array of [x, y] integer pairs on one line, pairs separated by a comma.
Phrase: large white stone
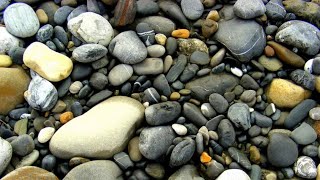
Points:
[[91, 28], [5, 154], [233, 174], [7, 41], [101, 132]]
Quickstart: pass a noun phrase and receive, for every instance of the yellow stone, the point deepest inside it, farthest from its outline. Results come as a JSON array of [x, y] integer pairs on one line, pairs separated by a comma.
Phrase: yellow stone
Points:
[[42, 16], [285, 94], [161, 39], [214, 15], [318, 84], [5, 61], [47, 63]]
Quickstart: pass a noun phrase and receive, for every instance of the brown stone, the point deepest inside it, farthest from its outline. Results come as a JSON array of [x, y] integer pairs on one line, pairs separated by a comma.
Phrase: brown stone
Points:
[[318, 84], [269, 51], [287, 56], [30, 172], [14, 82], [285, 94], [254, 154], [125, 12], [209, 27], [42, 16], [50, 9], [71, 3], [109, 2]]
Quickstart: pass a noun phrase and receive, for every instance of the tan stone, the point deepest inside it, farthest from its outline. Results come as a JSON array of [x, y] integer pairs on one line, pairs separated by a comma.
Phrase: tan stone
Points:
[[42, 16], [5, 61], [47, 63], [285, 94], [161, 39], [318, 170], [318, 84], [30, 172], [14, 81]]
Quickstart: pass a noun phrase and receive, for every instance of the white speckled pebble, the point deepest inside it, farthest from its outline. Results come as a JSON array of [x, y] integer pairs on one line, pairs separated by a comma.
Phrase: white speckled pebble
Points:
[[236, 71], [179, 129], [45, 134]]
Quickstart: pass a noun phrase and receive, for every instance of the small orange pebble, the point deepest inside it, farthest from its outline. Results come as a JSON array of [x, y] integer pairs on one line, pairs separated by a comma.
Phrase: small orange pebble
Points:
[[205, 158], [269, 51], [65, 117], [180, 33]]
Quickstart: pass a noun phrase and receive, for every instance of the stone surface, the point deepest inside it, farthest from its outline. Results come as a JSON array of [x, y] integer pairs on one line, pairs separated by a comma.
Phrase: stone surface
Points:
[[5, 154], [282, 151], [233, 174], [8, 41], [91, 28], [125, 12], [248, 9], [120, 74], [188, 46], [239, 114], [95, 170], [270, 63], [147, 7], [304, 134], [239, 157], [192, 9], [47, 63], [186, 172], [14, 82], [226, 133], [193, 114], [41, 94], [109, 125], [135, 49], [155, 141], [30, 172], [206, 85], [182, 153], [4, 4], [88, 53], [275, 10], [303, 78], [149, 66], [173, 10], [305, 167], [21, 20], [285, 94], [244, 39], [160, 24], [308, 41], [23, 145], [162, 113]]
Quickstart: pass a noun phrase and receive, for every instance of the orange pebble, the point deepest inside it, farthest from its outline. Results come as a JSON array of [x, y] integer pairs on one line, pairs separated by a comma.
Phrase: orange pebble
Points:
[[65, 117], [205, 158], [180, 33], [269, 51]]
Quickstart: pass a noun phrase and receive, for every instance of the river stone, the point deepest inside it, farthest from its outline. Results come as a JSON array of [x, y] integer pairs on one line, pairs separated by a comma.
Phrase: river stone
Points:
[[214, 83], [239, 157], [7, 41], [275, 10], [47, 63], [301, 35], [239, 114], [91, 28], [186, 172], [3, 5], [162, 113], [30, 172], [233, 174], [244, 39], [95, 170], [41, 94], [14, 82], [248, 9], [304, 134], [189, 46], [120, 74], [305, 168], [88, 53], [135, 50], [21, 20], [226, 133], [303, 78], [147, 7], [5, 154], [149, 66], [155, 141], [192, 9], [282, 151], [159, 24], [173, 10], [182, 152], [112, 122]]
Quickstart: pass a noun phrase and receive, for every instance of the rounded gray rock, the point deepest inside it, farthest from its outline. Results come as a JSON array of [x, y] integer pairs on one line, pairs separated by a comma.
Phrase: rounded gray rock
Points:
[[182, 153], [44, 33], [89, 52], [23, 145], [149, 66], [5, 154], [248, 9], [218, 102], [239, 114], [162, 113], [304, 134], [120, 74], [226, 133], [192, 9], [135, 50], [21, 20]]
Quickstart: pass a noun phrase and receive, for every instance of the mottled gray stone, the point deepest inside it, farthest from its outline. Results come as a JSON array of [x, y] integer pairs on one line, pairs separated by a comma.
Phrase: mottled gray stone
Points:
[[248, 9], [239, 114], [89, 52], [5, 154], [149, 66], [7, 41], [239, 157], [120, 74], [162, 113], [159, 24], [182, 153], [275, 10], [192, 9]]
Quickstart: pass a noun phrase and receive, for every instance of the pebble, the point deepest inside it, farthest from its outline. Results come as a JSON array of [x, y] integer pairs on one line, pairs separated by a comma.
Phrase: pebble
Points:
[[271, 64], [218, 57], [275, 10], [155, 141], [174, 11], [316, 66], [282, 151], [29, 159], [61, 15], [218, 102], [44, 33], [179, 129], [308, 42], [182, 153], [89, 52], [207, 110], [160, 24], [239, 157], [135, 49], [133, 149], [125, 12], [233, 174], [162, 85], [47, 63], [200, 58], [155, 170], [190, 45], [209, 27], [236, 71], [156, 50], [21, 126], [180, 33], [29, 172], [6, 154], [249, 9], [147, 7], [192, 9], [171, 45], [98, 97], [48, 162], [67, 143], [23, 145], [193, 114], [162, 113], [226, 133], [177, 69], [123, 160], [42, 16], [98, 81], [8, 41], [185, 172], [310, 150], [4, 4], [303, 78], [75, 87], [305, 167], [120, 74], [304, 134], [91, 28], [149, 66], [239, 114], [21, 20], [161, 39], [285, 94], [314, 113], [146, 33]]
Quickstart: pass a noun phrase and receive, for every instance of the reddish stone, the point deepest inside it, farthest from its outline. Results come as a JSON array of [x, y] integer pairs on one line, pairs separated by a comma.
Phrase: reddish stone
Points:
[[125, 12]]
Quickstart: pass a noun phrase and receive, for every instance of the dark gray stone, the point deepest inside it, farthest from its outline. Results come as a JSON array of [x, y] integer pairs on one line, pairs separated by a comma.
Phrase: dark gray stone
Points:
[[4, 4], [182, 153], [63, 88], [193, 114], [189, 72], [161, 84], [61, 15], [260, 141], [98, 97], [239, 157], [61, 34], [254, 131], [304, 134], [200, 58], [281, 151], [316, 66], [245, 39], [76, 109], [298, 113], [172, 9], [123, 160], [275, 10], [214, 169], [248, 82], [162, 113], [155, 141], [146, 33], [44, 33], [89, 52], [147, 7], [160, 24], [255, 173], [262, 120], [310, 150], [239, 114], [77, 11], [98, 81], [49, 162], [80, 71], [248, 9], [192, 9], [177, 69], [218, 102], [199, 143], [171, 45], [16, 113], [213, 123], [220, 83], [151, 95], [303, 78], [23, 145], [16, 54], [93, 6], [227, 134], [85, 91]]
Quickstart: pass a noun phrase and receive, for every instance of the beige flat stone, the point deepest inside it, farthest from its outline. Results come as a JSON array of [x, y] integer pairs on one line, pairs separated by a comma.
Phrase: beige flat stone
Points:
[[47, 63], [5, 61]]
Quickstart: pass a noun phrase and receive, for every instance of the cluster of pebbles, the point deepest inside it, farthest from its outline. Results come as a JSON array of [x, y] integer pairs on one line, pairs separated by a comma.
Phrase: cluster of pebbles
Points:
[[147, 89]]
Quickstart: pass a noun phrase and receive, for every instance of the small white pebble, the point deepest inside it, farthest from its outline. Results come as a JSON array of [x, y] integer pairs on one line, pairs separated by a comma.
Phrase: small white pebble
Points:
[[75, 87], [179, 129], [308, 65], [251, 109], [146, 104], [25, 116], [45, 134], [236, 71]]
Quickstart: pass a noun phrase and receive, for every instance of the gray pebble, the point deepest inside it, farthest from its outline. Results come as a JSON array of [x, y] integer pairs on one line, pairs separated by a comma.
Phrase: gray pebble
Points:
[[200, 58], [61, 15], [123, 160], [44, 33], [182, 153], [227, 134], [23, 145], [162, 85], [162, 113], [98, 81], [98, 97], [177, 69], [304, 134], [239, 114], [218, 102], [89, 52], [193, 114]]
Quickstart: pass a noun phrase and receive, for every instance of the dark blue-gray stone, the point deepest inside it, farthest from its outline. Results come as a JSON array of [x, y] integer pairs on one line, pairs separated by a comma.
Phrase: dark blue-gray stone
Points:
[[49, 162], [304, 134], [227, 134], [182, 153], [193, 114], [189, 72], [160, 83], [218, 102], [61, 15], [162, 113], [61, 34], [239, 157], [98, 97], [304, 79], [239, 115], [23, 145], [172, 9], [147, 7], [177, 69], [44, 33], [275, 10]]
